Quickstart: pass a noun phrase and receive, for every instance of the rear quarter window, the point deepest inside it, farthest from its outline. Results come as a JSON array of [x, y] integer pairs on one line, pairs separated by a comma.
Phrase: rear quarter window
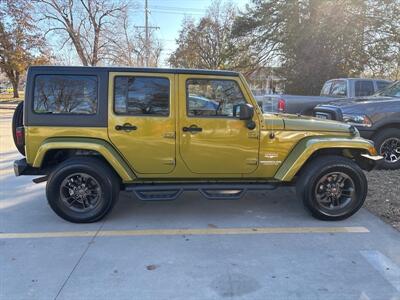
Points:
[[65, 94]]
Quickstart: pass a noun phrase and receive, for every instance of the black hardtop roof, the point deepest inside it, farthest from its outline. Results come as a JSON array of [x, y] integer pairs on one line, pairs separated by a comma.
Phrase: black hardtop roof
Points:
[[138, 70]]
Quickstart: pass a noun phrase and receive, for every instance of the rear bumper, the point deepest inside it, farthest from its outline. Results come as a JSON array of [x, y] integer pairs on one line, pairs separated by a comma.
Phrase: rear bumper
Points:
[[21, 167]]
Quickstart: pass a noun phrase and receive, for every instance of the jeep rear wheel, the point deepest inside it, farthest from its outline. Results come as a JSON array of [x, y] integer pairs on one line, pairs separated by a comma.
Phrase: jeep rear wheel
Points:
[[332, 187], [82, 190]]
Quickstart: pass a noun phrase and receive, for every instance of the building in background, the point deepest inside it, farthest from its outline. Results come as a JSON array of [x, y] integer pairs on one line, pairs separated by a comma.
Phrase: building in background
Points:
[[265, 80]]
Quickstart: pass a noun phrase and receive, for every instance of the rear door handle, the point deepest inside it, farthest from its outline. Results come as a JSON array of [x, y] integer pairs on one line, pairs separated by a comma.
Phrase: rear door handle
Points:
[[125, 127], [192, 128]]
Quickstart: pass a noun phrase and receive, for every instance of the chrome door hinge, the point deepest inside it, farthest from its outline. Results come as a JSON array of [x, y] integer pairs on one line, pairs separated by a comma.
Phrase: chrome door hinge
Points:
[[252, 135], [169, 161], [252, 161], [169, 135]]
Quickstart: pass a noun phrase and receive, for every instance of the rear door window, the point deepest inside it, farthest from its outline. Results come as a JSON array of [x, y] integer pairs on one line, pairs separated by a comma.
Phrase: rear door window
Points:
[[364, 88], [65, 94], [141, 96]]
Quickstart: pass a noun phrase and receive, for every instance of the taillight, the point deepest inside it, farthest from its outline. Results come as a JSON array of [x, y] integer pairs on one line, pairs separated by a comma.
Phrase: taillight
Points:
[[281, 105], [20, 136]]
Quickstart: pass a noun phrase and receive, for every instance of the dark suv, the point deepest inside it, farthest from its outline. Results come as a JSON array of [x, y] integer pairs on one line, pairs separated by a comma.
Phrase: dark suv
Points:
[[376, 117]]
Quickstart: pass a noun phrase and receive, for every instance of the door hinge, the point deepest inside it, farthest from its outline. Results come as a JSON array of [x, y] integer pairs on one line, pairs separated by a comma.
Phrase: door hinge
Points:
[[252, 135], [169, 161], [169, 135], [252, 161]]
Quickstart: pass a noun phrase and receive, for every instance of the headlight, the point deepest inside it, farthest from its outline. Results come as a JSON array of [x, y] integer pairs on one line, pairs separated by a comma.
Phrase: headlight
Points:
[[358, 120]]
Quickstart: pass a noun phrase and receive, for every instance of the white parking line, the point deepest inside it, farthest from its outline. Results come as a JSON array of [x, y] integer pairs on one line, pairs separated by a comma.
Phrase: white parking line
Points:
[[387, 268], [194, 231]]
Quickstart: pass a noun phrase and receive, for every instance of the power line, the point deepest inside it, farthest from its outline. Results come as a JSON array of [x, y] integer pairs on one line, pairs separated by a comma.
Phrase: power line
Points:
[[176, 12], [178, 8], [175, 8]]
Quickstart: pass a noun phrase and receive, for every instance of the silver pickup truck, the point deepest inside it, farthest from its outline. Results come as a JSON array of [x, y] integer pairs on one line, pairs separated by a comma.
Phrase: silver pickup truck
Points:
[[332, 90]]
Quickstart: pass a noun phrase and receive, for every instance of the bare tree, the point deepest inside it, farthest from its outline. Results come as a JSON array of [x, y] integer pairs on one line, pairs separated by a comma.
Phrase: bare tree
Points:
[[83, 23], [128, 45], [20, 43], [210, 44]]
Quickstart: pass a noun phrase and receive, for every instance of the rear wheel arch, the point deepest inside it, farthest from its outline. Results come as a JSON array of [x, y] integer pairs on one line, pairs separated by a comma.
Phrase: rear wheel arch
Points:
[[54, 157], [53, 152]]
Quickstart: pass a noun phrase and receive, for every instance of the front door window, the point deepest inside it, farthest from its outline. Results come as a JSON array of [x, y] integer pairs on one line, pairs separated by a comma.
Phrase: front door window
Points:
[[213, 98]]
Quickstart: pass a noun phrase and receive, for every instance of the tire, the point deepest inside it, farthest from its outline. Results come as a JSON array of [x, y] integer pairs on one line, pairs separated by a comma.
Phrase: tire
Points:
[[93, 183], [388, 139], [321, 172], [18, 121]]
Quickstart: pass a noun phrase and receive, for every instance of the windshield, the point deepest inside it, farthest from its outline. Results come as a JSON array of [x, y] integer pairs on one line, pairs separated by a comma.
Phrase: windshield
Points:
[[326, 88], [339, 88], [391, 91]]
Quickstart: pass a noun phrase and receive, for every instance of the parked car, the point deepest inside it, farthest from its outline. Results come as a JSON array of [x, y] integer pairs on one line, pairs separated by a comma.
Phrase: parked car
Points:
[[376, 117], [202, 106], [331, 90], [91, 131]]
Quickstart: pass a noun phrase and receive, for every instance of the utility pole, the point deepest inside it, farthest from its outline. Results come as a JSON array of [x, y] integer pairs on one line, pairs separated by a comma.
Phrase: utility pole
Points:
[[146, 22], [147, 32]]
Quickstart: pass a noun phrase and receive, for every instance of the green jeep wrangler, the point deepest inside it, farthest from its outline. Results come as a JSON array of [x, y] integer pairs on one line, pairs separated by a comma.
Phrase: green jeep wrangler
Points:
[[93, 131]]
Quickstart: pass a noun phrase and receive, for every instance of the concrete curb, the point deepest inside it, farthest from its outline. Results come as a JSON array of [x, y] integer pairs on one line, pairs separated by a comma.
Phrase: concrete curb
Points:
[[9, 106]]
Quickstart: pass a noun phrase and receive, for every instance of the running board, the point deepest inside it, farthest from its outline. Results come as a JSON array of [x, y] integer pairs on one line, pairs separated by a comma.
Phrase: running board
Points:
[[211, 191]]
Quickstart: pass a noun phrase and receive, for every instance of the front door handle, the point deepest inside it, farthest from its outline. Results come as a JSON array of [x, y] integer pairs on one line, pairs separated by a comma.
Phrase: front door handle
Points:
[[125, 127], [192, 128]]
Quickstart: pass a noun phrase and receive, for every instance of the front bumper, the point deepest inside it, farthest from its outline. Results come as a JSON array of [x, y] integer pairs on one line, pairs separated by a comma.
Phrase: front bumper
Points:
[[21, 167], [368, 162]]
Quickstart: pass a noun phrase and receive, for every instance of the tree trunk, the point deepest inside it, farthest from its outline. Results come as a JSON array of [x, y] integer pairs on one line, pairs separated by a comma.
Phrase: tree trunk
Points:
[[95, 53], [15, 88], [14, 78], [78, 46]]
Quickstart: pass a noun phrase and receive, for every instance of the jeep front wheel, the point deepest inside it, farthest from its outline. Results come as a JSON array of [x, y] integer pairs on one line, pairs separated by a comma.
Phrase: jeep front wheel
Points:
[[332, 187], [82, 190]]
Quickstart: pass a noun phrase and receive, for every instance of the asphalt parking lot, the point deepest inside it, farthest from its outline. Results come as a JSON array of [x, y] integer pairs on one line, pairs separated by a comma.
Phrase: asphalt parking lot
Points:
[[264, 246]]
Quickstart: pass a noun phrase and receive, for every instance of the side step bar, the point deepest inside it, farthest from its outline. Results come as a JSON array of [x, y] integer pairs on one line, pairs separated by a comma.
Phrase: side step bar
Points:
[[211, 191]]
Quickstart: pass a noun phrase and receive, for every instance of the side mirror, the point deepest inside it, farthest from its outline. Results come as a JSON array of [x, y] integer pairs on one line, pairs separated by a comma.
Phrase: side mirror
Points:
[[246, 113]]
